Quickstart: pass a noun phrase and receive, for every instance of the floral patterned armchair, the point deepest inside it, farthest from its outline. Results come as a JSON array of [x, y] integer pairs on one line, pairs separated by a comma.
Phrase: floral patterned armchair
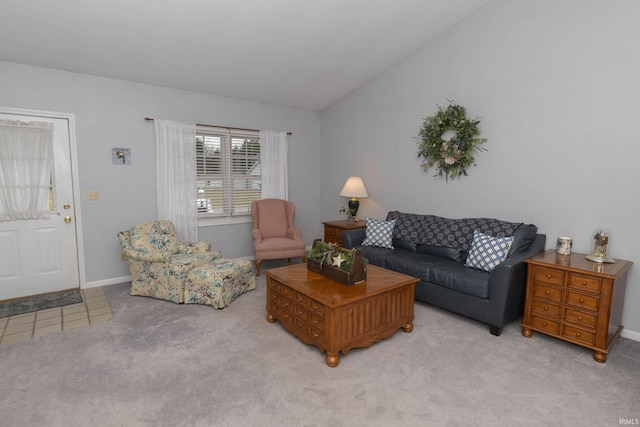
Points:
[[159, 263]]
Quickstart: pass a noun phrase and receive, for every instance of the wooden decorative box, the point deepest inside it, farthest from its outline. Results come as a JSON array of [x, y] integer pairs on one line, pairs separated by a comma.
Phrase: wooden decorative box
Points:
[[356, 274]]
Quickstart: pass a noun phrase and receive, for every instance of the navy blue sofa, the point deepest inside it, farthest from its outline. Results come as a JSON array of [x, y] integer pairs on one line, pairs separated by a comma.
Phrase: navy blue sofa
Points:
[[434, 249]]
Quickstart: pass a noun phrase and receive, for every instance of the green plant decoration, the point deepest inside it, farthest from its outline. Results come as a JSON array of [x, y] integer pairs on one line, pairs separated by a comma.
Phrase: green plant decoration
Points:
[[453, 156], [328, 253]]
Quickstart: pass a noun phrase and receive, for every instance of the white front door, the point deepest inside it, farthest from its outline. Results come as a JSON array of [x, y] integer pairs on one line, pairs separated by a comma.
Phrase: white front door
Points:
[[41, 255]]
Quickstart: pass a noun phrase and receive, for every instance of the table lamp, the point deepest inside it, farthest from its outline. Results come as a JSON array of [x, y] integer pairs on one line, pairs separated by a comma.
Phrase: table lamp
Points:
[[354, 189]]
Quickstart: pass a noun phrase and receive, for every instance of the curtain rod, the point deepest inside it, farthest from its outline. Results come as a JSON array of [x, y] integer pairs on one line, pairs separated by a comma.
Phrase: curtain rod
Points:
[[224, 127]]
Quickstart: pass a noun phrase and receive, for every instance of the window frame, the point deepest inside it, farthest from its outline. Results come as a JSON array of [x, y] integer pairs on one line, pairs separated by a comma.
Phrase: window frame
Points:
[[226, 176]]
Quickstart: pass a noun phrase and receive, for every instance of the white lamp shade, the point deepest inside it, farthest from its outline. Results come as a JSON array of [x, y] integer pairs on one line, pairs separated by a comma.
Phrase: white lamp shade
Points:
[[354, 187]]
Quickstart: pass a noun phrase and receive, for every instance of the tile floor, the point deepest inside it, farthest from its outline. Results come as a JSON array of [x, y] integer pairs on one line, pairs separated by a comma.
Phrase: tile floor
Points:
[[94, 309]]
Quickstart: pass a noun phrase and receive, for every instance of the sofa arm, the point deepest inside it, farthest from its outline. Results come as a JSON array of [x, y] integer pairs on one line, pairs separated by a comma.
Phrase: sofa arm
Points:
[[145, 257], [194, 247], [294, 233], [353, 238], [504, 272], [507, 284]]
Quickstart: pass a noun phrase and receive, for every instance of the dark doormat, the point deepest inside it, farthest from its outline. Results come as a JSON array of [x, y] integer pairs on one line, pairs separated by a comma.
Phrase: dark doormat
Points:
[[40, 302]]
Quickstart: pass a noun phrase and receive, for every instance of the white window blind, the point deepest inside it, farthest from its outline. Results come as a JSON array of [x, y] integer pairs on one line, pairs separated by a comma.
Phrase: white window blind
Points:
[[228, 171]]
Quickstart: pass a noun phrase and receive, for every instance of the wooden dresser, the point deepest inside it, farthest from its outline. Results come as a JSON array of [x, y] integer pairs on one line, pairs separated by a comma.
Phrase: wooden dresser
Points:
[[333, 230], [575, 300]]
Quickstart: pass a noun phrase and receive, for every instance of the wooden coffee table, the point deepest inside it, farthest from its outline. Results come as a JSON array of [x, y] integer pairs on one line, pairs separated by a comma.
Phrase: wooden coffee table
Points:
[[336, 317]]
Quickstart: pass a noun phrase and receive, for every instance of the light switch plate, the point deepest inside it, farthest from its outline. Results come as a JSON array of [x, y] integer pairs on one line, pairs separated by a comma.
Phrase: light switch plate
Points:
[[121, 156]]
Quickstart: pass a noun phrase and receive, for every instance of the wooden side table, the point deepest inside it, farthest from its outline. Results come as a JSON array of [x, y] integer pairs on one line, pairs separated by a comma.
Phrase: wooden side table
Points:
[[333, 230], [575, 300]]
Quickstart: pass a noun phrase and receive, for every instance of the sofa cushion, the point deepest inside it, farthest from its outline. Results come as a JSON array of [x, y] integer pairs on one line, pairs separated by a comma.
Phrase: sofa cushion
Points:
[[487, 252], [453, 233], [410, 246], [378, 233], [442, 251], [154, 237], [377, 256], [415, 264], [522, 238], [457, 277]]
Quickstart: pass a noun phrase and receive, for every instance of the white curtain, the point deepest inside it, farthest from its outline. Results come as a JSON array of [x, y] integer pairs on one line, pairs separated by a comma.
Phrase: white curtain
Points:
[[176, 177], [26, 158], [273, 158]]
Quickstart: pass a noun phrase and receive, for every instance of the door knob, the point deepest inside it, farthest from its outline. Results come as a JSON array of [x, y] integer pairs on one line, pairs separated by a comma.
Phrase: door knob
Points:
[[67, 219], [66, 206]]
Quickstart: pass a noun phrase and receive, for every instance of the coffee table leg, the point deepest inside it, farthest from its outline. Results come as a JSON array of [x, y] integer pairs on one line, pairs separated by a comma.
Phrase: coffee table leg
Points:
[[333, 360], [408, 327]]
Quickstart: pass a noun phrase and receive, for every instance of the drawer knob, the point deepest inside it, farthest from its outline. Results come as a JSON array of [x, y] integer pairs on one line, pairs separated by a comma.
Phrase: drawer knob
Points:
[[584, 283], [548, 276], [544, 323], [547, 292], [579, 317], [578, 334], [545, 308], [581, 300]]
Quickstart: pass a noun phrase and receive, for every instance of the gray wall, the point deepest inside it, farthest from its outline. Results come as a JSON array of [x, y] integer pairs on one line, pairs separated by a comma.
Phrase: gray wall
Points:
[[109, 113], [556, 84]]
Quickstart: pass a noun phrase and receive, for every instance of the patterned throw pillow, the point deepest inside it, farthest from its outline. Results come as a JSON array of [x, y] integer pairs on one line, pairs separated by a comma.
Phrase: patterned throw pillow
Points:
[[487, 252], [378, 233]]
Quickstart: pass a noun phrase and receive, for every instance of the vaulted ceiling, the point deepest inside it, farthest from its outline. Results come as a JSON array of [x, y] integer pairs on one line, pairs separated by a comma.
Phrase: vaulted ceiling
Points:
[[297, 53]]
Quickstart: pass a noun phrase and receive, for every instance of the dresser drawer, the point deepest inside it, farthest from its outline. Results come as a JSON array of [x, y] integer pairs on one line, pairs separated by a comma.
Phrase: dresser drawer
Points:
[[286, 305], [287, 292], [584, 282], [332, 231], [546, 325], [317, 336], [581, 317], [332, 234], [547, 308], [302, 300], [548, 292], [583, 301], [549, 276], [317, 308], [274, 309], [578, 334], [274, 298], [274, 286], [286, 317], [301, 326], [301, 313], [317, 323]]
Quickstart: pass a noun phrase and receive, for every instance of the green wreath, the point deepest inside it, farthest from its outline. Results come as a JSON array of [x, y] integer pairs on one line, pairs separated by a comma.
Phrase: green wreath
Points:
[[452, 157]]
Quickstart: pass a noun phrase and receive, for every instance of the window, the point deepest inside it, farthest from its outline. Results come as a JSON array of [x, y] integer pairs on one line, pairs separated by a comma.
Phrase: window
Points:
[[228, 171]]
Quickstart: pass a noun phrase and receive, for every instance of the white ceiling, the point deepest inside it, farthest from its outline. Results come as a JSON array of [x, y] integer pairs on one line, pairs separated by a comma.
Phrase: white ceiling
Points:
[[297, 53]]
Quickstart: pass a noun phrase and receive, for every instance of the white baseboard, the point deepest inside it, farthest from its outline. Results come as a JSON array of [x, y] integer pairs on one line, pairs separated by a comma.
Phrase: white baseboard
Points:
[[632, 335], [107, 282]]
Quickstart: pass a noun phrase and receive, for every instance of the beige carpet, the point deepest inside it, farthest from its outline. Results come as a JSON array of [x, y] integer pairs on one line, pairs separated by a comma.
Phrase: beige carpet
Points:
[[156, 363]]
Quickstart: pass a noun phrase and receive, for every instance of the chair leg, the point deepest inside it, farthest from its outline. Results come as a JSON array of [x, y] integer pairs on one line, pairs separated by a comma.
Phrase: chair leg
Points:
[[258, 267]]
